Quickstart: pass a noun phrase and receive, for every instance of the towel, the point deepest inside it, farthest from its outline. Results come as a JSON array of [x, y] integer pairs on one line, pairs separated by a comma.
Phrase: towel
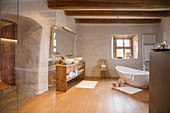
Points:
[[132, 77], [103, 66]]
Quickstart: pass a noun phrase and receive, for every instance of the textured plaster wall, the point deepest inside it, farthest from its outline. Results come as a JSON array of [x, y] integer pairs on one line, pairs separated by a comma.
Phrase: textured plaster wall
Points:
[[166, 23], [165, 27], [26, 61], [37, 11], [94, 43]]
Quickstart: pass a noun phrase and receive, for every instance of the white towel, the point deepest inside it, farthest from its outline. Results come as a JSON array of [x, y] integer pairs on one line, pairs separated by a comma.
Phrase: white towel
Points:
[[103, 66], [76, 72], [132, 77]]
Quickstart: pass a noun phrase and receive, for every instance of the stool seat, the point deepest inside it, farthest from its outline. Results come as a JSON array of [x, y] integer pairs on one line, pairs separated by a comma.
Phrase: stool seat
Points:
[[103, 69]]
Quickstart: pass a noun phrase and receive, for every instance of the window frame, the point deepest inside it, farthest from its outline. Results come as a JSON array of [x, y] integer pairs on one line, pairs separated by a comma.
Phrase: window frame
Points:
[[115, 47]]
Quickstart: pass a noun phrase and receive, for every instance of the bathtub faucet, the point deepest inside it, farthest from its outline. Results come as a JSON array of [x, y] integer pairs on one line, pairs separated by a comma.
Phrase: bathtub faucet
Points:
[[144, 66]]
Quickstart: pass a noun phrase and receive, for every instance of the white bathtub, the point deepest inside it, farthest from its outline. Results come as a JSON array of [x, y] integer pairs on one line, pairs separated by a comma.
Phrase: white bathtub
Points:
[[134, 77]]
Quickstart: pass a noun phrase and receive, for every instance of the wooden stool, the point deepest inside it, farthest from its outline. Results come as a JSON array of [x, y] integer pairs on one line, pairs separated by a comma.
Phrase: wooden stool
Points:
[[103, 62]]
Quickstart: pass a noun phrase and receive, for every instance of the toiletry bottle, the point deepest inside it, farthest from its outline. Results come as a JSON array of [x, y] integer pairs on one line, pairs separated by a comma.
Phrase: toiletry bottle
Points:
[[164, 44], [120, 82]]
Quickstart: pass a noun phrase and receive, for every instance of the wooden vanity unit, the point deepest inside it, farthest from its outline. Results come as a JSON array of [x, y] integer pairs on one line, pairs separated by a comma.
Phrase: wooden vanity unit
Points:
[[62, 72]]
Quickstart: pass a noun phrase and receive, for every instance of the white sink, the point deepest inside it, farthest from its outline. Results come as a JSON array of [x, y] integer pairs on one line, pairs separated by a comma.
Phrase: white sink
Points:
[[79, 58], [67, 61]]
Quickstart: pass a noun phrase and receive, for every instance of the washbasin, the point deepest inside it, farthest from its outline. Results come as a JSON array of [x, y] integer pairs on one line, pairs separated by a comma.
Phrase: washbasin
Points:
[[68, 61], [79, 58]]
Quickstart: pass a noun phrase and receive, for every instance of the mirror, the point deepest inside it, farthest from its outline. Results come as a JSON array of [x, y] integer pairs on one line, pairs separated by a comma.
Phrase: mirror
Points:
[[62, 42]]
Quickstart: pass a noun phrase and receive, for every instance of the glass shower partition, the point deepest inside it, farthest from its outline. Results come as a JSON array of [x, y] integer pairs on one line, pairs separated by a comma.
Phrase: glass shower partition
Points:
[[8, 55], [26, 82]]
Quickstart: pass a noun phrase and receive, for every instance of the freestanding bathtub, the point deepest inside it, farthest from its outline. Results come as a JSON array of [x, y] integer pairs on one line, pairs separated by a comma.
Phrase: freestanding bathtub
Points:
[[134, 77]]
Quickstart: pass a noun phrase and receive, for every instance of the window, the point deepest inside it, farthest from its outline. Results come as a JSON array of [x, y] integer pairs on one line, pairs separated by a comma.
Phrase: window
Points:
[[125, 46]]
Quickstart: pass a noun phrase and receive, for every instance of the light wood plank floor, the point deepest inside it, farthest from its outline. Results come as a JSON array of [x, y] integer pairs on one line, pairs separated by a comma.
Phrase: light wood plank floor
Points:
[[4, 86], [9, 97], [102, 99], [44, 103]]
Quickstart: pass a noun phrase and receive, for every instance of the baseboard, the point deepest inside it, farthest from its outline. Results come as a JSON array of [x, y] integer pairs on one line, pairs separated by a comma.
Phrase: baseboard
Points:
[[91, 78]]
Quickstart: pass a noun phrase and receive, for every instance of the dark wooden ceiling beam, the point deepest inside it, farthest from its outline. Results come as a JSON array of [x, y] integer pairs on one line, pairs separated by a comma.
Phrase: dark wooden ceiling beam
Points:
[[108, 4], [117, 21], [119, 13]]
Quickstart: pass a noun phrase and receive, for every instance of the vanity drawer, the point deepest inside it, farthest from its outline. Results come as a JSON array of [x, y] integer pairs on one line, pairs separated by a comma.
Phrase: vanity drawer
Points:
[[70, 69]]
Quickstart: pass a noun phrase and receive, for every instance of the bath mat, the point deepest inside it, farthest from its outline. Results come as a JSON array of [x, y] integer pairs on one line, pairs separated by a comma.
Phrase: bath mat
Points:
[[87, 84], [128, 89]]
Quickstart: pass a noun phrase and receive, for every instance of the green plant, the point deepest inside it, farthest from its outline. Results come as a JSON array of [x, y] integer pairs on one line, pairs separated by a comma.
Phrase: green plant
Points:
[[119, 57]]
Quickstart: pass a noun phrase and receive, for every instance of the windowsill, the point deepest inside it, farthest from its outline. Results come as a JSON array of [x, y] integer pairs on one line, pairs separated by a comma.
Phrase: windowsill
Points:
[[125, 58]]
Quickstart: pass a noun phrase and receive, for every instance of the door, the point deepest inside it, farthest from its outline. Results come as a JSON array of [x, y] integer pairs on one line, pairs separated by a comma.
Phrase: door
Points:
[[7, 54]]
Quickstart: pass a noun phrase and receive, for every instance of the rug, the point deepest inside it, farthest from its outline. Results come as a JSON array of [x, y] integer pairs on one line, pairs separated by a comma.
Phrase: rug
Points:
[[128, 89], [87, 84]]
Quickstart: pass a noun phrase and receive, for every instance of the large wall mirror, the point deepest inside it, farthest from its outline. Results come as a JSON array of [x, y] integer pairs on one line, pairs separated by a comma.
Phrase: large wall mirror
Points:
[[62, 42]]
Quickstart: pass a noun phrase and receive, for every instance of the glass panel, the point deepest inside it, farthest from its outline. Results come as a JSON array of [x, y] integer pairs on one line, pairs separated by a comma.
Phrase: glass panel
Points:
[[8, 55], [24, 69], [119, 52], [119, 42], [126, 43], [127, 53], [36, 73]]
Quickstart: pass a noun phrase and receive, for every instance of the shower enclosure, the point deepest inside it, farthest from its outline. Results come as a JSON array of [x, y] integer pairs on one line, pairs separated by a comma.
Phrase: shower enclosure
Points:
[[23, 62]]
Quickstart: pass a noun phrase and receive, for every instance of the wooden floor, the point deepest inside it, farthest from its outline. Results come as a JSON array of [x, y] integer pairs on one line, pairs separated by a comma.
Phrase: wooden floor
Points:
[[9, 98], [4, 86], [44, 103], [102, 99]]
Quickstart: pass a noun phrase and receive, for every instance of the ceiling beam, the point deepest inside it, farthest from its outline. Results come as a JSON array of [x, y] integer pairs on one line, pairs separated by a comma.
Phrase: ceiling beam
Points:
[[108, 4], [117, 21], [119, 13]]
